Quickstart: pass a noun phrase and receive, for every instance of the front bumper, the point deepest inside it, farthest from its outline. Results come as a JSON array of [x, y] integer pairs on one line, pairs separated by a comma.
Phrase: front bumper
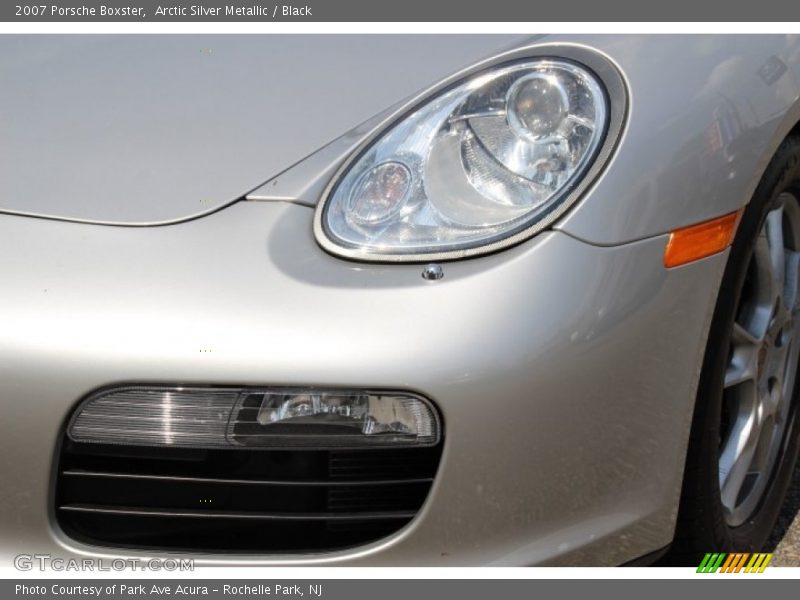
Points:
[[565, 372]]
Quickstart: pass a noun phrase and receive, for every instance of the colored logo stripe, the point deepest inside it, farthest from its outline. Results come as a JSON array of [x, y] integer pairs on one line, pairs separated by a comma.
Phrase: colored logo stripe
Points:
[[711, 563], [758, 563], [734, 563]]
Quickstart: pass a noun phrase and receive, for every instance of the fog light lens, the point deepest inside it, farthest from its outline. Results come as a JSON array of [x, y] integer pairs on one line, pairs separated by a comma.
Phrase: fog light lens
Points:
[[219, 417], [331, 418]]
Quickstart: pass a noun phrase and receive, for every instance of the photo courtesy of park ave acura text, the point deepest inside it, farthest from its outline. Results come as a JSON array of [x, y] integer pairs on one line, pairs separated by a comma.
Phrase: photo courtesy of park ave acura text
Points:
[[398, 300]]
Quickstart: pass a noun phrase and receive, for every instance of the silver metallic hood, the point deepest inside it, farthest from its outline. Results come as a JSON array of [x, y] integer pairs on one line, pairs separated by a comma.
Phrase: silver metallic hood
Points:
[[152, 129]]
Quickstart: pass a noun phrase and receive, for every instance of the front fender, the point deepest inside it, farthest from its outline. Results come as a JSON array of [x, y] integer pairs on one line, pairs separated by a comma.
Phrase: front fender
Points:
[[706, 115]]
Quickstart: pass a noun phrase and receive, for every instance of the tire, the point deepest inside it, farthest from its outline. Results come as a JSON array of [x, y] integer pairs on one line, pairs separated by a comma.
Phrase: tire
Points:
[[741, 519]]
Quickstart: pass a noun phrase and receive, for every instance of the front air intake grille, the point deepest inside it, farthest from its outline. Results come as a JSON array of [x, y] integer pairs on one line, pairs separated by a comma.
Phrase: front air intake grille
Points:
[[238, 500]]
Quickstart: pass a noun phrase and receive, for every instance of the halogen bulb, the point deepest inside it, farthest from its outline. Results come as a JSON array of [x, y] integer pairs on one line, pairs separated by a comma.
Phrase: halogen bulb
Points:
[[380, 194], [536, 105]]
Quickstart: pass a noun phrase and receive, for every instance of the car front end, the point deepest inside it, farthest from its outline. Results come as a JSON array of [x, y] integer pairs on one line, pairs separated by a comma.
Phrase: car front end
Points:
[[553, 366]]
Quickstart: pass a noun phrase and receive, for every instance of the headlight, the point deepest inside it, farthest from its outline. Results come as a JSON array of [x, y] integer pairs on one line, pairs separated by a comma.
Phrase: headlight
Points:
[[486, 163]]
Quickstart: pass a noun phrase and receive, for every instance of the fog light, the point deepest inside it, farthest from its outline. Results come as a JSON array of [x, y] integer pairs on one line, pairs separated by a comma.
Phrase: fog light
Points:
[[219, 417]]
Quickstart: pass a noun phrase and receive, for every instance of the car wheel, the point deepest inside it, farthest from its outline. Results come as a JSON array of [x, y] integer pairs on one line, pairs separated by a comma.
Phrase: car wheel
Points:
[[744, 438]]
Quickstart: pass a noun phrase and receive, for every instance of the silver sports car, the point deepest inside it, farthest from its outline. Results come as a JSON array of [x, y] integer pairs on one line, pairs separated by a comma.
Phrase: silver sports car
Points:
[[398, 300]]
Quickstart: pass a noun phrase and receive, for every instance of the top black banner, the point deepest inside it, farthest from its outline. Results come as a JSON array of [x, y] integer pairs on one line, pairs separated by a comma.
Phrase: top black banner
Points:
[[398, 11]]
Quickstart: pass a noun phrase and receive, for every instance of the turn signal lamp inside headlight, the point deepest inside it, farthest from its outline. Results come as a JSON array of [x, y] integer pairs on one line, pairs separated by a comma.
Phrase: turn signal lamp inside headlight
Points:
[[268, 418]]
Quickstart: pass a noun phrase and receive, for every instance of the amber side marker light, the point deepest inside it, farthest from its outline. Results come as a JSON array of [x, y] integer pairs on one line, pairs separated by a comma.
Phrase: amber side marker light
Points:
[[694, 242]]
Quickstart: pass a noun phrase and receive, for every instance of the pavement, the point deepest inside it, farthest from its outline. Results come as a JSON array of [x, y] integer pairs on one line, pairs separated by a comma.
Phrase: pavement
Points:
[[785, 538]]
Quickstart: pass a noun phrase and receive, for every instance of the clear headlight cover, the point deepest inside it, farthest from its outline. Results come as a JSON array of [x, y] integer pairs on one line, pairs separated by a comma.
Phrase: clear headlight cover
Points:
[[479, 163]]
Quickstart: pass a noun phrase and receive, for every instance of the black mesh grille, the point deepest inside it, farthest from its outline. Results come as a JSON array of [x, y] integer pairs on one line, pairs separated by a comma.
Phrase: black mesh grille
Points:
[[231, 500]]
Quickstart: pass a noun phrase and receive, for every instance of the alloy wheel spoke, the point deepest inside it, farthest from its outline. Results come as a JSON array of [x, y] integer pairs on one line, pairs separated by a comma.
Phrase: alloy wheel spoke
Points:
[[777, 251], [769, 288], [792, 279], [736, 460], [742, 337], [743, 364], [771, 399], [772, 280]]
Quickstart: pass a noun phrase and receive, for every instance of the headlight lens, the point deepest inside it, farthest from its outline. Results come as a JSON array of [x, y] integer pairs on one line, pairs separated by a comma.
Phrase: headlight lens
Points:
[[484, 160]]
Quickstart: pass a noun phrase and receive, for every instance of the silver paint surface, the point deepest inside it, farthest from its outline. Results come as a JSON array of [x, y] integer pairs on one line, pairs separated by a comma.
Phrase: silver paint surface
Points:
[[565, 373]]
